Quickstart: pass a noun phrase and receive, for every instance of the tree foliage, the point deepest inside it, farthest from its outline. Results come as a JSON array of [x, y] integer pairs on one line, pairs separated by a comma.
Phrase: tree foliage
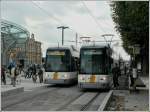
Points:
[[132, 22]]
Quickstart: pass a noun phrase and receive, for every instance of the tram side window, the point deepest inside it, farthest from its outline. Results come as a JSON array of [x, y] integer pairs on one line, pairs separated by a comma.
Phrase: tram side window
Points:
[[109, 63], [77, 63]]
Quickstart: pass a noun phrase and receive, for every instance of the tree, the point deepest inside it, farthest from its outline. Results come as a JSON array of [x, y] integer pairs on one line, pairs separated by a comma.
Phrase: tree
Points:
[[132, 22]]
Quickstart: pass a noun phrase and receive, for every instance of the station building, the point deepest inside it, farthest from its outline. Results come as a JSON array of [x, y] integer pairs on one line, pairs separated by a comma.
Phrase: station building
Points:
[[16, 39]]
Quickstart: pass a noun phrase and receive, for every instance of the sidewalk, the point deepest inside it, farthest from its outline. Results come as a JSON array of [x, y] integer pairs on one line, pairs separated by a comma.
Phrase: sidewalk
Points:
[[145, 80], [125, 100], [24, 85]]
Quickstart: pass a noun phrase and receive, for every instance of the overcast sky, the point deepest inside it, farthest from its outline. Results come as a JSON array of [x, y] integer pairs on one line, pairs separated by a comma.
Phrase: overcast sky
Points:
[[87, 18]]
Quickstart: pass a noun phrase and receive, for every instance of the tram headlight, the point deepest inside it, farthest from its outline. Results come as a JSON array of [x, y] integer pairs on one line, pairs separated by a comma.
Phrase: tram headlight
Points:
[[81, 78], [46, 75], [65, 76], [104, 78]]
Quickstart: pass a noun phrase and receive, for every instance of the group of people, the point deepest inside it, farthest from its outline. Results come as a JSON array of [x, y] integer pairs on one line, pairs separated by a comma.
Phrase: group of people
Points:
[[34, 71], [14, 70], [129, 72]]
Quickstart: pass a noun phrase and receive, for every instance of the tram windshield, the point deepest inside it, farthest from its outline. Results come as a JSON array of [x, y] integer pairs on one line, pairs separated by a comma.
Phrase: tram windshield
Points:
[[93, 62], [58, 60]]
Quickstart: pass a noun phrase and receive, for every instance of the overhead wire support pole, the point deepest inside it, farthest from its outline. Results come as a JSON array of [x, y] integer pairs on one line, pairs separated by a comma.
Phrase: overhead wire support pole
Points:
[[76, 39], [62, 27]]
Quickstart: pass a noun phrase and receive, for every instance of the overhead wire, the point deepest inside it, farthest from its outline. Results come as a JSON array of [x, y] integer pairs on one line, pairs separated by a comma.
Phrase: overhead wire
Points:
[[99, 27], [55, 18], [59, 21], [98, 24]]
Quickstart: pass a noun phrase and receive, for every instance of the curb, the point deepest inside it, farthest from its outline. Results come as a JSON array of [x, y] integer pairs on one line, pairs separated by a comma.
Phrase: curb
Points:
[[12, 91], [105, 101]]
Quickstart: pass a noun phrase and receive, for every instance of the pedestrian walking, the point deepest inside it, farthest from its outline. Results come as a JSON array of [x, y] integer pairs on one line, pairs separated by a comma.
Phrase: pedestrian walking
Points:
[[116, 74], [131, 78], [20, 67], [11, 67], [17, 74], [34, 77], [125, 70], [40, 74], [27, 73], [3, 75], [14, 74], [30, 71]]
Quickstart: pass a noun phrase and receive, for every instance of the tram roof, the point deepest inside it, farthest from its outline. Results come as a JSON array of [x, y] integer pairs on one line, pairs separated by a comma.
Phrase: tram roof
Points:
[[96, 46], [73, 49], [64, 47]]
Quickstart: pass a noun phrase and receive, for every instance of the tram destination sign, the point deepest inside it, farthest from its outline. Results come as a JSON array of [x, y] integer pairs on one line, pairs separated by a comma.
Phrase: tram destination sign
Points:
[[55, 53], [92, 52]]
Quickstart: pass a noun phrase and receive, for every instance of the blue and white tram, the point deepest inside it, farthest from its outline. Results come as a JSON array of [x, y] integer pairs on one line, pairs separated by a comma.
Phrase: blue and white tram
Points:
[[95, 67], [61, 65]]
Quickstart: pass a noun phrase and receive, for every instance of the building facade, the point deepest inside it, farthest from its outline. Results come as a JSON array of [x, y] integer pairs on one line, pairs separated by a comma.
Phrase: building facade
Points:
[[33, 51], [16, 39]]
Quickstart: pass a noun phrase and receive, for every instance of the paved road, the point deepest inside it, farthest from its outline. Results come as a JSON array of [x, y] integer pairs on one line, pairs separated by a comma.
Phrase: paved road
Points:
[[52, 98]]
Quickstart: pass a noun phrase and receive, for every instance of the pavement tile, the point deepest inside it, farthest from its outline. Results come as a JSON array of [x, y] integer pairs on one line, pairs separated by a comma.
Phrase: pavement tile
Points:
[[132, 100], [26, 83]]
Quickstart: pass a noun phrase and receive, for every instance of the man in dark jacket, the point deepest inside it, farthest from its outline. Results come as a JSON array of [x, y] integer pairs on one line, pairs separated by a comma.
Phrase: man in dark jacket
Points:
[[40, 74], [34, 77], [116, 73], [3, 78]]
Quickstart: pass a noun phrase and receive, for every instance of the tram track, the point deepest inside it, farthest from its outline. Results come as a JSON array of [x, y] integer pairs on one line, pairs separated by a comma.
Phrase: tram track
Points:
[[72, 100], [58, 98], [86, 106], [27, 98], [32, 96], [87, 101], [72, 104]]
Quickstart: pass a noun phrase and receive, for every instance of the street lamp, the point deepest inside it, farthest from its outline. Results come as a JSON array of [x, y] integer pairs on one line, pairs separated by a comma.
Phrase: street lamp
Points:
[[62, 27]]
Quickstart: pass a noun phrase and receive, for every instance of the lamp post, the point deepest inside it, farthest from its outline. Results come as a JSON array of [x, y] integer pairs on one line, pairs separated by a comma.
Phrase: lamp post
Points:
[[62, 27]]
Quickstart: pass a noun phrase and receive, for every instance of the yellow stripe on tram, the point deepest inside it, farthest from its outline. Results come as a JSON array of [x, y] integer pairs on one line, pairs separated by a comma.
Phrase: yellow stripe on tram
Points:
[[92, 79], [55, 76]]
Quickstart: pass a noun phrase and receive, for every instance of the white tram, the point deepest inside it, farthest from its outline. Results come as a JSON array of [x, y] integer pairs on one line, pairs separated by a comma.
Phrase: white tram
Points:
[[95, 67], [61, 65]]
